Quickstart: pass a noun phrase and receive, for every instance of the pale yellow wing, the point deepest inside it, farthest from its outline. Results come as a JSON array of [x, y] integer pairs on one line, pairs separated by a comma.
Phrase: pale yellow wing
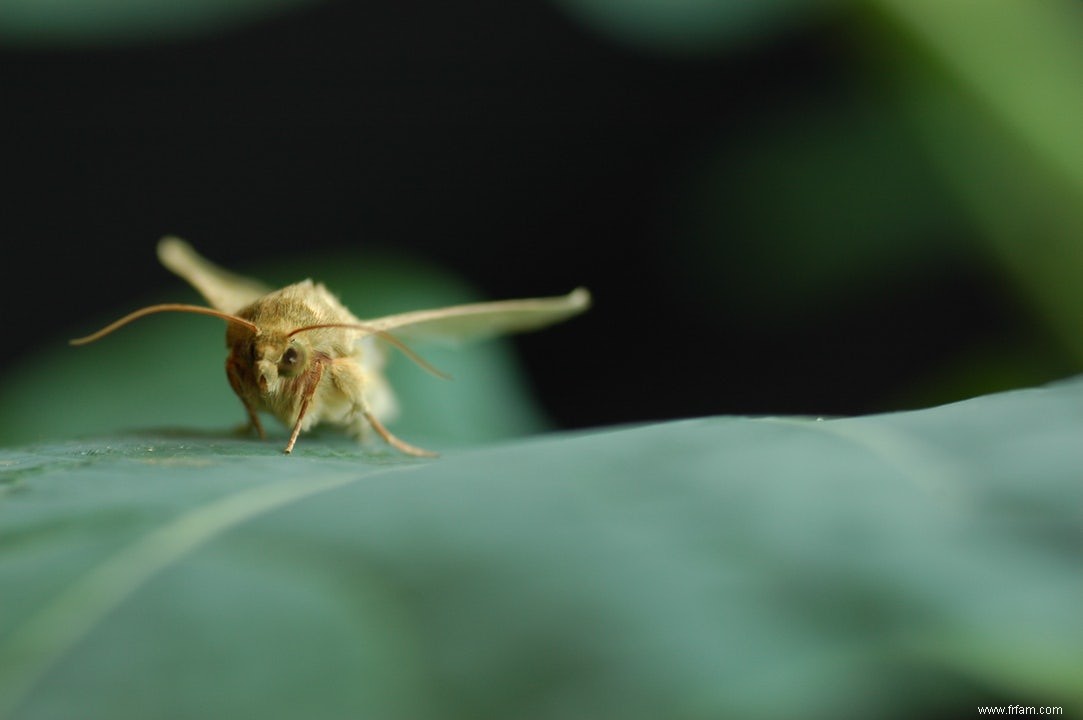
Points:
[[485, 319], [224, 290]]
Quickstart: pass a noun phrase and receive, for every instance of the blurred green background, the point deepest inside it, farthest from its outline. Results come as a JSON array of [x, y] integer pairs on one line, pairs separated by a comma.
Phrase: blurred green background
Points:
[[788, 206]]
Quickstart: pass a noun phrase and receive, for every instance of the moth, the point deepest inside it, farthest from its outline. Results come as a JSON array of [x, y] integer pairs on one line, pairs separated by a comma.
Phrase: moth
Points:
[[297, 353]]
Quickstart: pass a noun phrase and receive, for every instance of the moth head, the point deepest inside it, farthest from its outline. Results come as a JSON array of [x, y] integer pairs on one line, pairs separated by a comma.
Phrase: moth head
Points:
[[276, 358]]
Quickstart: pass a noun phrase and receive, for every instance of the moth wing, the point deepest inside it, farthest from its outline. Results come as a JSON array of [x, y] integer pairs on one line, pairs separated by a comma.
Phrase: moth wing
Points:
[[475, 321], [224, 290]]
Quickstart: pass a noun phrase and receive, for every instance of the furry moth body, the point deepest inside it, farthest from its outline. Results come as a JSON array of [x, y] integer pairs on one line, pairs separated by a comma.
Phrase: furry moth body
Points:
[[297, 353]]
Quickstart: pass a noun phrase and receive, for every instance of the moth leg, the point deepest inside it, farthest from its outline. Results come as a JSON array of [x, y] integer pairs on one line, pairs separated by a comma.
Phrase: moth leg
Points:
[[253, 422], [350, 379], [312, 381], [400, 445], [233, 372]]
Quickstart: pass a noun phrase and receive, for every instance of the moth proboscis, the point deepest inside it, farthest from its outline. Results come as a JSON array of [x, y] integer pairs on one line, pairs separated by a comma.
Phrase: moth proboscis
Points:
[[300, 355]]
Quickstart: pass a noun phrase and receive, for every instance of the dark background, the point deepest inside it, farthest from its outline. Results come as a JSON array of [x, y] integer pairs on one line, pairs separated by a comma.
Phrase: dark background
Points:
[[761, 230]]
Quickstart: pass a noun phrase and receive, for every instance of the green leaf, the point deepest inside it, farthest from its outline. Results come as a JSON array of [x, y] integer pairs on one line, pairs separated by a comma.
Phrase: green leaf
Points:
[[903, 565], [993, 90]]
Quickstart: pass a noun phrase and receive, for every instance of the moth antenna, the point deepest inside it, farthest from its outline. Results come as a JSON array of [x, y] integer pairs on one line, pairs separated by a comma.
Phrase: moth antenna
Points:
[[386, 337], [166, 307]]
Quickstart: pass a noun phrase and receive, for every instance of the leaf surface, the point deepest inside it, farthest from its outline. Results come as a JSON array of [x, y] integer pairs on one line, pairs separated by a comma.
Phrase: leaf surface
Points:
[[887, 565]]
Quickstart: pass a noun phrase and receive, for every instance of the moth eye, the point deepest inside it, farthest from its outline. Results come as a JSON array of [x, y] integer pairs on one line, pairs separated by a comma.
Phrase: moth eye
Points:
[[292, 362]]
